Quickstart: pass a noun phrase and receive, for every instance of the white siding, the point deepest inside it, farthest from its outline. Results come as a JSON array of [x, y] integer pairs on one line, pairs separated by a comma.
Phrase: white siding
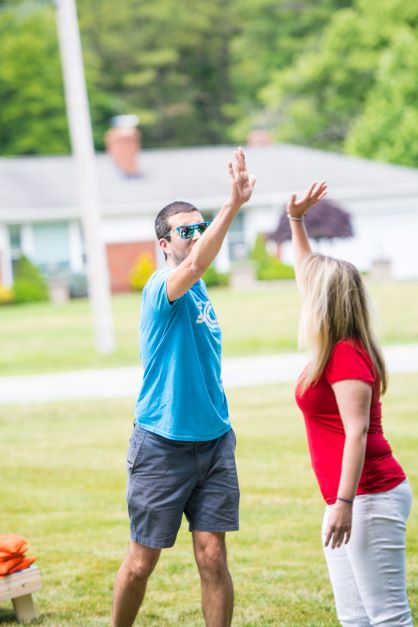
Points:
[[394, 239], [128, 229], [76, 247], [6, 273]]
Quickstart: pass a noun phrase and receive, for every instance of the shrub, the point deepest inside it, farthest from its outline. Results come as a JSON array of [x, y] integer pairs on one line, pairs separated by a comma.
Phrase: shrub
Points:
[[29, 285], [259, 252], [141, 272], [272, 269], [269, 268], [6, 295], [213, 278]]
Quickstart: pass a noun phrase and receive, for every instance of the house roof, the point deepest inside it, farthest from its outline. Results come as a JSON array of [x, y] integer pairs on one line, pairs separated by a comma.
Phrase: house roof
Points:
[[38, 186]]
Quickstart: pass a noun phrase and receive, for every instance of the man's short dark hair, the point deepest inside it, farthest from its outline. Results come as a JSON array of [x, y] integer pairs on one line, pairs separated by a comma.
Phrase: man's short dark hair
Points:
[[162, 226]]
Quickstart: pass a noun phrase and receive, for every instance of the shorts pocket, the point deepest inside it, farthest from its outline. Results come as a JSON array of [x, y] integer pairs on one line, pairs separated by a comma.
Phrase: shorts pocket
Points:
[[135, 443], [235, 438]]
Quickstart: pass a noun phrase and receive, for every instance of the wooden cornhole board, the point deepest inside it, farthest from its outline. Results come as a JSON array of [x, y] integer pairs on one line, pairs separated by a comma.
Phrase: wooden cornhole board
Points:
[[18, 588]]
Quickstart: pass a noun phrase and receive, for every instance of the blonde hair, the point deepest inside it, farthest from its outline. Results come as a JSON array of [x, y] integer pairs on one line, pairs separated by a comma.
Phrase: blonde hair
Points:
[[335, 307]]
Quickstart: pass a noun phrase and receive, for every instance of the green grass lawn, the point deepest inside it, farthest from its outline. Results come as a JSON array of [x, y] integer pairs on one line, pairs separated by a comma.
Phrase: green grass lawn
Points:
[[44, 337], [62, 485]]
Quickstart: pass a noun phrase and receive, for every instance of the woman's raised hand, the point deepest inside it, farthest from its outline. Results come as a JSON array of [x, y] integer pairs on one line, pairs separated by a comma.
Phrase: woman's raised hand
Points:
[[298, 208]]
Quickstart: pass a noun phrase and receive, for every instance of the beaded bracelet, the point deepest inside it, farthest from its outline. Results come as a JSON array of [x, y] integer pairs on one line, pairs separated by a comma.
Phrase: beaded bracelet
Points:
[[339, 498]]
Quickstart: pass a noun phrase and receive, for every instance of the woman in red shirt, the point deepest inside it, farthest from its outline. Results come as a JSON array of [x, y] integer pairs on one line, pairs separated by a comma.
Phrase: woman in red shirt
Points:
[[367, 495]]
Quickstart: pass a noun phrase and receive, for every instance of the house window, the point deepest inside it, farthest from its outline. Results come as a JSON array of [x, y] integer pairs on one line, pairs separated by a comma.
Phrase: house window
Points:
[[51, 247], [236, 240], [237, 247], [15, 239]]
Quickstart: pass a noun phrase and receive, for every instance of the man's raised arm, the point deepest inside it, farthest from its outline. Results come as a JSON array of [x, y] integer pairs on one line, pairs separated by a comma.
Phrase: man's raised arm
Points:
[[209, 243]]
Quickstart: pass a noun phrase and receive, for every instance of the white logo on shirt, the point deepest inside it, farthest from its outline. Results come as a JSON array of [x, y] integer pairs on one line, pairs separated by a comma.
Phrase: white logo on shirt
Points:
[[207, 315]]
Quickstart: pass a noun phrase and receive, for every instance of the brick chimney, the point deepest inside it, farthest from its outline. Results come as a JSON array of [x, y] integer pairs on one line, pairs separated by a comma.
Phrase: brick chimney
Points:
[[123, 143], [260, 137]]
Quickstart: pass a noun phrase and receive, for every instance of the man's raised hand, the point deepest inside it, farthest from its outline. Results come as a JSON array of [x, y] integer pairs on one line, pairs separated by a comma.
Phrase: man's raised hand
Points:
[[242, 184]]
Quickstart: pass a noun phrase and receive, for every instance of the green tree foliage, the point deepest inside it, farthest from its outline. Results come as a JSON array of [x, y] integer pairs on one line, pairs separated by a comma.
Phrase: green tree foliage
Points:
[[190, 69], [199, 72], [322, 95], [166, 60], [32, 115], [270, 35], [387, 128]]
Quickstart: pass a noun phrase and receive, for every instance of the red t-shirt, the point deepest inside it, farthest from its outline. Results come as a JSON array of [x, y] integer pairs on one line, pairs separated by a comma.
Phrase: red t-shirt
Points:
[[325, 430]]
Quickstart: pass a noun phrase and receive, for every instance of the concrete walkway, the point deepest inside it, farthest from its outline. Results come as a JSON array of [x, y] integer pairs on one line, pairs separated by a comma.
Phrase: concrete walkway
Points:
[[124, 382]]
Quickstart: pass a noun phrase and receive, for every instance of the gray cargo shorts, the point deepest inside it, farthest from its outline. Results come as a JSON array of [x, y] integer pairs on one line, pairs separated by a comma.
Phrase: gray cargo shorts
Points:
[[167, 478]]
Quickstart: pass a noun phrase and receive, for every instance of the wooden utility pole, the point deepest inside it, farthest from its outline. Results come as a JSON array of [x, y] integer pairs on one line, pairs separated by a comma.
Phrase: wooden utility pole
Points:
[[83, 151]]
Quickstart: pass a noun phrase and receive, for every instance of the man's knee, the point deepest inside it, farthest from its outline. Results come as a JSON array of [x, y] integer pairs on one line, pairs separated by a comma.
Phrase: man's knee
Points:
[[141, 561], [211, 560]]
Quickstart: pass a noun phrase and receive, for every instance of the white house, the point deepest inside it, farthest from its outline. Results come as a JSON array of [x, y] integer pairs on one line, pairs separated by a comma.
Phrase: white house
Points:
[[40, 214]]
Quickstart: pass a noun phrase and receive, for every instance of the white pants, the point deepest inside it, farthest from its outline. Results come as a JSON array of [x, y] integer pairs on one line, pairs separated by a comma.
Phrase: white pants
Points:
[[368, 574]]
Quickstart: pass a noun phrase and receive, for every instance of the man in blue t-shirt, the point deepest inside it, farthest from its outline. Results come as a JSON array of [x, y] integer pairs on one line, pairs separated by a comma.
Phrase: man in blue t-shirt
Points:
[[181, 456]]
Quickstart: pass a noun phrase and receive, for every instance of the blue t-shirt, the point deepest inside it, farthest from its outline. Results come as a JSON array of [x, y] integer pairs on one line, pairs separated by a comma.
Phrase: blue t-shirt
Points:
[[182, 396]]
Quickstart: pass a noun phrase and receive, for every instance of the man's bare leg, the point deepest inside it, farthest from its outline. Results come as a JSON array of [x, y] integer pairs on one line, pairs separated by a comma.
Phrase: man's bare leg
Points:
[[217, 588], [131, 582]]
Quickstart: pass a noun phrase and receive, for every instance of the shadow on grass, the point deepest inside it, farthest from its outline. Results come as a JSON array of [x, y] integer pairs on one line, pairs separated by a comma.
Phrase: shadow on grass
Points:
[[8, 617]]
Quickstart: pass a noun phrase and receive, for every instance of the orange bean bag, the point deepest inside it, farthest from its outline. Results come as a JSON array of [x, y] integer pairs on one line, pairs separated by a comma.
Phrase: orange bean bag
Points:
[[12, 554]]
